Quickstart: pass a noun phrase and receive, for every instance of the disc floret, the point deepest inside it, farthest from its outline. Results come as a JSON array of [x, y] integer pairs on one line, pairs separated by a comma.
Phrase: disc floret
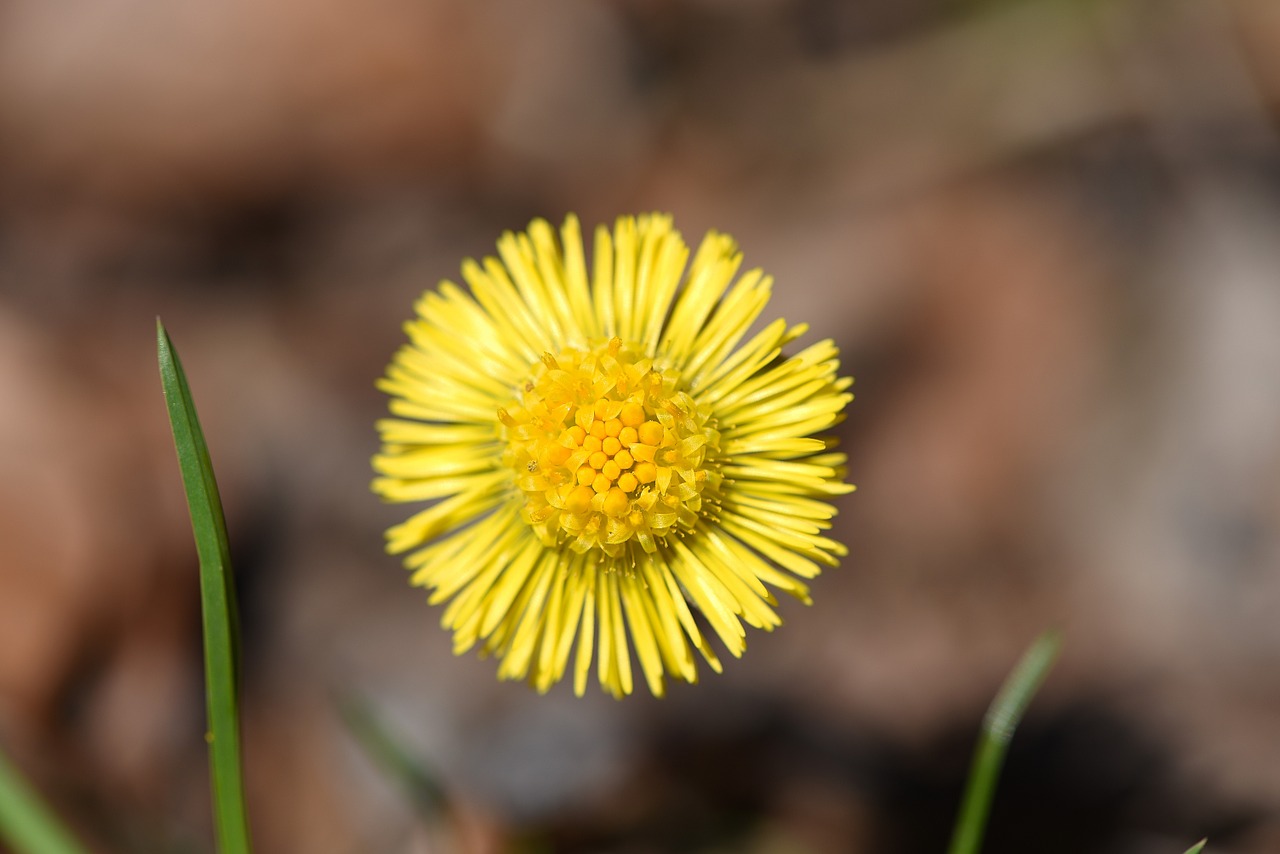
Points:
[[608, 450]]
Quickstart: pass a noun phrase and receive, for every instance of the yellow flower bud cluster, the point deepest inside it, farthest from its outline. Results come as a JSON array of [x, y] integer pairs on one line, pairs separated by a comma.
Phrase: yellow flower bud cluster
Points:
[[608, 450]]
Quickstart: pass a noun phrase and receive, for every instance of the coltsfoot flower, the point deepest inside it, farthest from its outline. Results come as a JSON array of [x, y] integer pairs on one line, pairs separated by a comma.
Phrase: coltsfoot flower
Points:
[[605, 462]]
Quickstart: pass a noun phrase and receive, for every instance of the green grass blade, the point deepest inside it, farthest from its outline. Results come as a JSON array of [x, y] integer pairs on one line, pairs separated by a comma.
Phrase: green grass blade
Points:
[[26, 824], [1198, 847], [396, 762], [217, 601], [997, 731]]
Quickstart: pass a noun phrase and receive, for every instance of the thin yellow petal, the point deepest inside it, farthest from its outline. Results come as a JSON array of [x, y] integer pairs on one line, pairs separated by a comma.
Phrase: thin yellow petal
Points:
[[586, 635], [602, 283], [642, 633]]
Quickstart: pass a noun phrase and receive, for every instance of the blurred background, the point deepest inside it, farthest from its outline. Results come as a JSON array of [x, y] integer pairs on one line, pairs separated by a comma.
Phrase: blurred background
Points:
[[1046, 236]]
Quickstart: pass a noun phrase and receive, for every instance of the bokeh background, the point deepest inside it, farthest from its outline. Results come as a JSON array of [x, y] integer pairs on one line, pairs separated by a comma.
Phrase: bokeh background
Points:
[[1046, 236]]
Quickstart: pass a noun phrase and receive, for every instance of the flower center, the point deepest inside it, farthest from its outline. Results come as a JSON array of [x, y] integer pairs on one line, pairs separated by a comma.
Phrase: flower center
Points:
[[606, 449]]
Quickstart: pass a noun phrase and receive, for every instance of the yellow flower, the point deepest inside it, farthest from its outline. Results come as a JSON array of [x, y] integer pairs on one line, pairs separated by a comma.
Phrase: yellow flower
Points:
[[604, 459]]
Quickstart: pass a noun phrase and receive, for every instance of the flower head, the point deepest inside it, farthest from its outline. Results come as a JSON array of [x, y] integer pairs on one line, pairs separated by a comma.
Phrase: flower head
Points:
[[605, 458]]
